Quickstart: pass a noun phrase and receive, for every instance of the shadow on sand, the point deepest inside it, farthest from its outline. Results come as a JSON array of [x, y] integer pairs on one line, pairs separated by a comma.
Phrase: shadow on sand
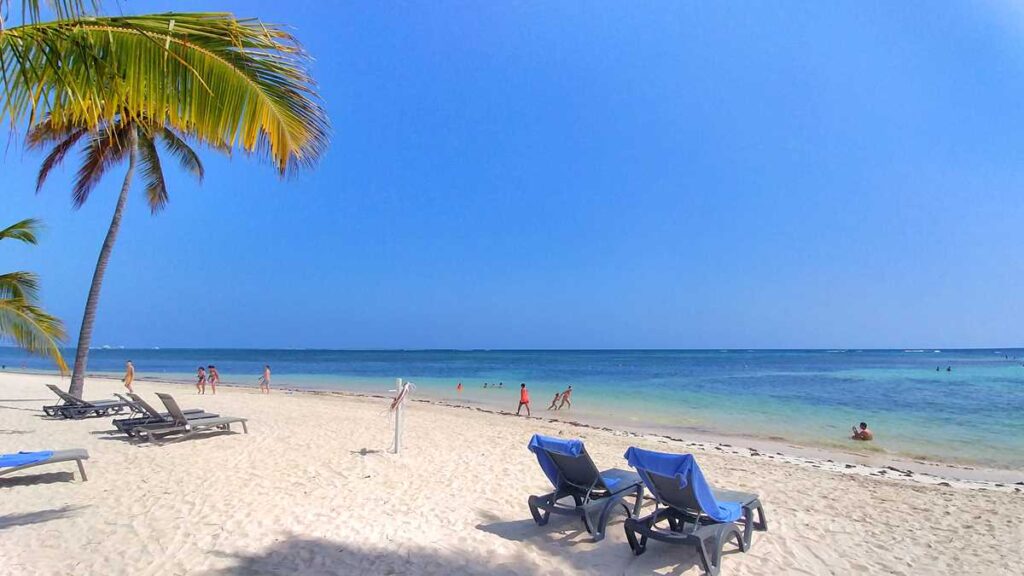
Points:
[[12, 520]]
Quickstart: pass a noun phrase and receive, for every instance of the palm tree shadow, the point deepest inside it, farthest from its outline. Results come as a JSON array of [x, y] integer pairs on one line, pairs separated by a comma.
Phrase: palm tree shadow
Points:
[[12, 520], [301, 555]]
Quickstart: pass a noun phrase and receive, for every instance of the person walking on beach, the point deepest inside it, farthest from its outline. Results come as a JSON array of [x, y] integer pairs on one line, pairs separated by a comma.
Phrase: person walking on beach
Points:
[[524, 399], [565, 397], [555, 401], [201, 380], [264, 380], [129, 376], [863, 433], [213, 377]]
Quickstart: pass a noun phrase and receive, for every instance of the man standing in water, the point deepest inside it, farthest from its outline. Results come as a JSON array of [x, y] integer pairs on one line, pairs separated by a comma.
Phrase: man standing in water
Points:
[[565, 398], [524, 399], [265, 380], [129, 376]]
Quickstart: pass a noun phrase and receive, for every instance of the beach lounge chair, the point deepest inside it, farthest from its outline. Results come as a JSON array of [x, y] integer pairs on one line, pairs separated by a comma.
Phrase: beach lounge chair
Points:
[[695, 513], [143, 414], [181, 427], [573, 474], [73, 407], [10, 463]]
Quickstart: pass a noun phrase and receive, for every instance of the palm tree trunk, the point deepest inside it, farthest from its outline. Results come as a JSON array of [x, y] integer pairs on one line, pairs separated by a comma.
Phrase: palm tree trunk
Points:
[[85, 334]]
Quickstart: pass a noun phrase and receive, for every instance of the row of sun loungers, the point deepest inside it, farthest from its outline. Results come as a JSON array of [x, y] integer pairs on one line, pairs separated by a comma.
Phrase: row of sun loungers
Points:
[[688, 511], [143, 423]]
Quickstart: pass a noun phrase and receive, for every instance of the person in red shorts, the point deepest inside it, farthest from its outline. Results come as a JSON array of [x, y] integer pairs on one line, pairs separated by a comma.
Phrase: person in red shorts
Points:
[[524, 400]]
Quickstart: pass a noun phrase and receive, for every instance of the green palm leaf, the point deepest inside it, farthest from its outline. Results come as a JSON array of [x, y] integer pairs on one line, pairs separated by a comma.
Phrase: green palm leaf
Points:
[[24, 231], [31, 328], [225, 81]]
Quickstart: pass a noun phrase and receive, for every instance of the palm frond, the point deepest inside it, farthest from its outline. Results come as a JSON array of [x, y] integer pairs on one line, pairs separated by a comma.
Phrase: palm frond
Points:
[[102, 151], [43, 134], [225, 81], [152, 174], [32, 10], [25, 231], [19, 285], [32, 329], [186, 156]]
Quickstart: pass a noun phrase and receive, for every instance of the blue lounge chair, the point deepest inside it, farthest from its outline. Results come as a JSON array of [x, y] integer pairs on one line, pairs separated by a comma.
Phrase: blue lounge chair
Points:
[[696, 514], [10, 463], [573, 474]]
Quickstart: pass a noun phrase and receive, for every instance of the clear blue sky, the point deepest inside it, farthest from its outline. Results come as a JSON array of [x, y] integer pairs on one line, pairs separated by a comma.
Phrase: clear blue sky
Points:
[[576, 175]]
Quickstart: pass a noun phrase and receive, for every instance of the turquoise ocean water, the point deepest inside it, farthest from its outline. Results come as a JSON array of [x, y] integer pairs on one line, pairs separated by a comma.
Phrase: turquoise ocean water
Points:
[[972, 414]]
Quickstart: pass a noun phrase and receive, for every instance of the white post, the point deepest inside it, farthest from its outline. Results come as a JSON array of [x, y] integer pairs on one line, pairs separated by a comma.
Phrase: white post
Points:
[[398, 417]]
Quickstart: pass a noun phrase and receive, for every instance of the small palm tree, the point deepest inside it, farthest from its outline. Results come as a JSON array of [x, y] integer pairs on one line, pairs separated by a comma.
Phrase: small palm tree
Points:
[[131, 140], [22, 320]]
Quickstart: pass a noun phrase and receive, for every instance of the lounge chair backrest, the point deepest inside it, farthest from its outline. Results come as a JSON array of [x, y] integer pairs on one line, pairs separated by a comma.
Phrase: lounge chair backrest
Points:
[[578, 471], [65, 396], [667, 491], [177, 414], [145, 405]]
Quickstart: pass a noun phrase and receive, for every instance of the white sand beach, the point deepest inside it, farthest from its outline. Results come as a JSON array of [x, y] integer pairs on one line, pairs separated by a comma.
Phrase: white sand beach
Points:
[[312, 489]]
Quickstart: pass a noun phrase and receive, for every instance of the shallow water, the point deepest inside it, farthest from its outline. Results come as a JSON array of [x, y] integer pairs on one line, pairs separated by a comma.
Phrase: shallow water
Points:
[[971, 414]]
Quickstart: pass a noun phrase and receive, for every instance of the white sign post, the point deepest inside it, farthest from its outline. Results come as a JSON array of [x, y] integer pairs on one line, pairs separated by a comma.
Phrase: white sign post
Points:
[[402, 390]]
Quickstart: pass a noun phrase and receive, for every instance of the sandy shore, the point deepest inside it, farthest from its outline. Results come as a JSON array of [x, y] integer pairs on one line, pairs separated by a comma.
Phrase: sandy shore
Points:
[[313, 490]]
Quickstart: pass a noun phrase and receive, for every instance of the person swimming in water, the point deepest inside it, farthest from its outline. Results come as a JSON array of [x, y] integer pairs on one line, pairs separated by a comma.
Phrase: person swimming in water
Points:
[[863, 433]]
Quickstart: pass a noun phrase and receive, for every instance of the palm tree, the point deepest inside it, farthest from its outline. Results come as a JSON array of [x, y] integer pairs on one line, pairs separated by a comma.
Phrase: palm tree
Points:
[[22, 321], [133, 140], [218, 80]]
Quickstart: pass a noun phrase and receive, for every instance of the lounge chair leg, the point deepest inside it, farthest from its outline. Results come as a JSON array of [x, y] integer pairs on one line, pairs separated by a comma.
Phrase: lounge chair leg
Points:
[[749, 524], [535, 503], [709, 563], [245, 429], [81, 471], [639, 501]]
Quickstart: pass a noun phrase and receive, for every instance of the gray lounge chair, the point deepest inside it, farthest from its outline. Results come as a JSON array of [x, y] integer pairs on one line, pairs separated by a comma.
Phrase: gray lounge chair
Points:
[[181, 427], [595, 495], [696, 514], [75, 408], [77, 455], [147, 415]]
